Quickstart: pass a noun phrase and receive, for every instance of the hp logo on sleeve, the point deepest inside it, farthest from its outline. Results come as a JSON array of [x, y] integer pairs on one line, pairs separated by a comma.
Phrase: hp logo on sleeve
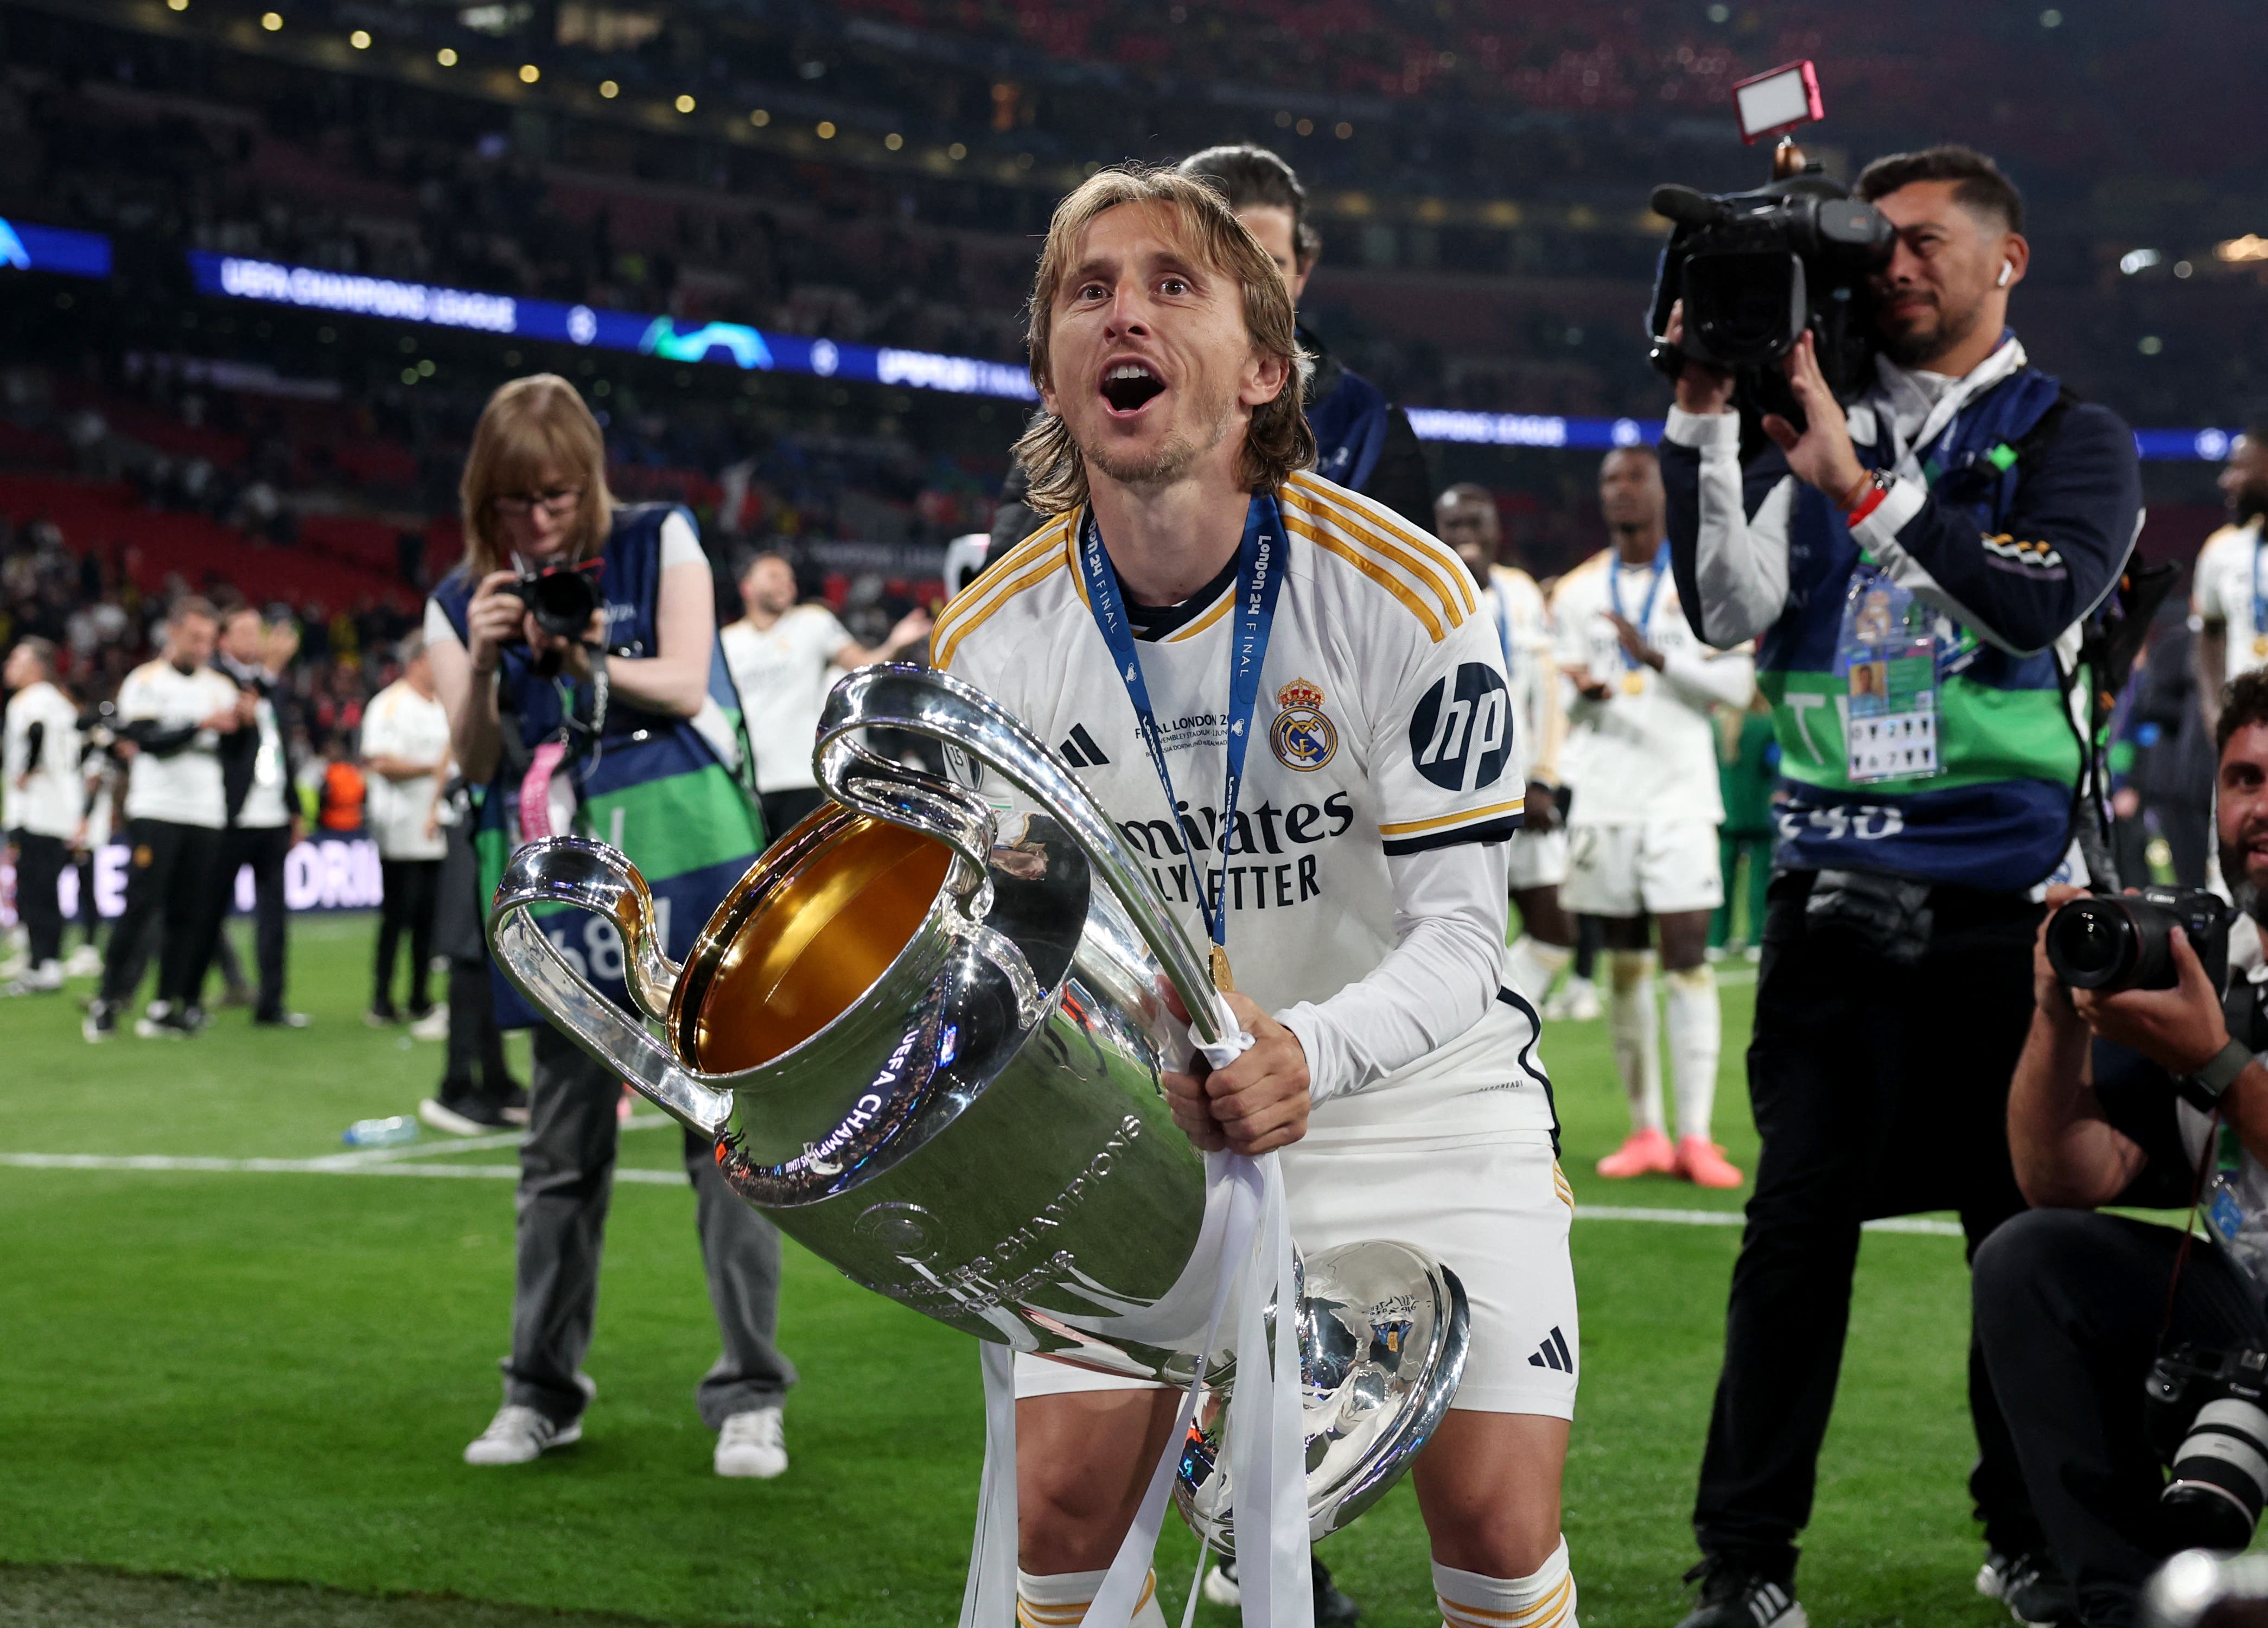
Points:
[[1460, 735]]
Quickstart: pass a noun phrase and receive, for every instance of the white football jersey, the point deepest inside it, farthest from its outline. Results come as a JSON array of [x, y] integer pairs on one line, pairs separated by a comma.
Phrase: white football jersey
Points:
[[782, 675], [2230, 587], [1384, 727], [1513, 605], [1648, 752], [183, 788], [401, 723], [49, 800]]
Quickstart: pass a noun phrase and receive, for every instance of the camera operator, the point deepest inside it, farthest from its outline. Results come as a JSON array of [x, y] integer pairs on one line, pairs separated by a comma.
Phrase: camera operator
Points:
[[575, 651], [2110, 1105], [1916, 569]]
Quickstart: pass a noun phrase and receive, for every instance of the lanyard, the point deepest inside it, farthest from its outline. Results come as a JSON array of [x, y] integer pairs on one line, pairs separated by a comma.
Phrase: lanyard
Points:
[[1653, 591], [1259, 577]]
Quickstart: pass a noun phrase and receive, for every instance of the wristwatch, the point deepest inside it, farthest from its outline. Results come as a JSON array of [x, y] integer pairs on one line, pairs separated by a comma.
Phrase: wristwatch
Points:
[[2203, 1089]]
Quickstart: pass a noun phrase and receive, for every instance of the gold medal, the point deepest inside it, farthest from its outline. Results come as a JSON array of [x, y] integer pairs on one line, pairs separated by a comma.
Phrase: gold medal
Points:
[[1221, 978], [1633, 682], [2260, 645]]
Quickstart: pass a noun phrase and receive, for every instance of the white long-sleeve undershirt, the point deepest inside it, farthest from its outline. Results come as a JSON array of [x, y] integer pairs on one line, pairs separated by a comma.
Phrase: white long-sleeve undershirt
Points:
[[1437, 981]]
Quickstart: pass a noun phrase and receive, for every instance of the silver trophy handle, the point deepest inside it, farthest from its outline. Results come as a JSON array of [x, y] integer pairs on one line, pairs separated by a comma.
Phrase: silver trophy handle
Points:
[[923, 701], [590, 876]]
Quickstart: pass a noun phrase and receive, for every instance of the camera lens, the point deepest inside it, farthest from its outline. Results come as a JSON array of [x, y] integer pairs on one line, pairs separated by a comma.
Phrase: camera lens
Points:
[[2214, 1498], [2091, 943], [1747, 307]]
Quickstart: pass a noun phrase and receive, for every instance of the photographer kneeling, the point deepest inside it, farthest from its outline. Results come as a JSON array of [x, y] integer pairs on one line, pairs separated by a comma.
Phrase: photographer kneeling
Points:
[[2117, 1099]]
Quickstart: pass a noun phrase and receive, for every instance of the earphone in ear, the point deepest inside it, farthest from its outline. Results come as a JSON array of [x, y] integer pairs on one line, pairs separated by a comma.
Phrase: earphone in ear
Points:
[[2008, 270]]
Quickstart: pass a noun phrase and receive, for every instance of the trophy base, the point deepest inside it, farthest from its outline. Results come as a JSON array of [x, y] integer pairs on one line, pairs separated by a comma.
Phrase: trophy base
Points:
[[1383, 1328]]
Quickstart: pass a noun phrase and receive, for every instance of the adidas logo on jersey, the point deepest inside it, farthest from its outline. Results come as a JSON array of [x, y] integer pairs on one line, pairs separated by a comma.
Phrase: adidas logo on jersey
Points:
[[1553, 1354], [1079, 751]]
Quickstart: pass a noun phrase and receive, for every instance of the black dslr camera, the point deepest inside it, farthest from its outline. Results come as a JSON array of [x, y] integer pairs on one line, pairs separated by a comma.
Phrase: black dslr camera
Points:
[[2122, 941], [1756, 268], [2203, 1412], [560, 596]]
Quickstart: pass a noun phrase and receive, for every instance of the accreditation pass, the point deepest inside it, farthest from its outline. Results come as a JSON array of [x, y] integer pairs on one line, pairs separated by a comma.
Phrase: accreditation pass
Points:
[[1887, 658]]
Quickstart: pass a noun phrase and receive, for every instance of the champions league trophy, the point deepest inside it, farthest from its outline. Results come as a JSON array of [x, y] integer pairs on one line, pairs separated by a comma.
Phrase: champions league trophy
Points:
[[929, 1049]]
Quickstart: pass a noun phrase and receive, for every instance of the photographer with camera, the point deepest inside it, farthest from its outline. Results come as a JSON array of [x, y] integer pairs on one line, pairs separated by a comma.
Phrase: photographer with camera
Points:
[[575, 651], [2131, 1091], [1916, 567]]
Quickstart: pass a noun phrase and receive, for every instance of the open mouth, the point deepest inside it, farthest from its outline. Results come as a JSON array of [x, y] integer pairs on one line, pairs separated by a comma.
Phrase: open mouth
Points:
[[1130, 386]]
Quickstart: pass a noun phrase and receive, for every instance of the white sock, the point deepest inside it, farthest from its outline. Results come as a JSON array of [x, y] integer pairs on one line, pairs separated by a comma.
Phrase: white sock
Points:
[[1060, 1599], [1533, 964], [1543, 1599], [1636, 1027], [1697, 1034]]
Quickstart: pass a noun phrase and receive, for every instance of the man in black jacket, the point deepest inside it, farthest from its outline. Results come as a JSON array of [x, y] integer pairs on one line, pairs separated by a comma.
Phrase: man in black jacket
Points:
[[257, 780]]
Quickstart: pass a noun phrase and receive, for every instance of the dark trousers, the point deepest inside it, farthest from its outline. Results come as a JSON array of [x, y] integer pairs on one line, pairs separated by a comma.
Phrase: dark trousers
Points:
[[168, 871], [783, 809], [566, 1177], [89, 918], [39, 864], [2068, 1306], [412, 890], [1878, 1090], [475, 1052], [264, 850]]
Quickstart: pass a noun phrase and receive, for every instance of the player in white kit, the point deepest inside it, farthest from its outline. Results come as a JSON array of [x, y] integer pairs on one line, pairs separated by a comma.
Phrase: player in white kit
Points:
[[1360, 875], [780, 655], [1641, 756], [1465, 517], [2228, 586]]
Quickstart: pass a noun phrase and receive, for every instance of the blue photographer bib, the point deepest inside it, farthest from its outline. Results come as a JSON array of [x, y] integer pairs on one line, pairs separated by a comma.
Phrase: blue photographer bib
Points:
[[1907, 743], [675, 794]]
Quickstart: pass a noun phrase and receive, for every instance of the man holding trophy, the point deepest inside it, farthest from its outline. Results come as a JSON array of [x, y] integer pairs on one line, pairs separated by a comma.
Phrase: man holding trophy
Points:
[[1284, 696]]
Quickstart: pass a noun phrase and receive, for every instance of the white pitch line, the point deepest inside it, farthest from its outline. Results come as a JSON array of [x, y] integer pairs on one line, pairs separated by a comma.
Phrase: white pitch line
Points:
[[175, 1162], [285, 1167], [1732, 1217], [465, 1145]]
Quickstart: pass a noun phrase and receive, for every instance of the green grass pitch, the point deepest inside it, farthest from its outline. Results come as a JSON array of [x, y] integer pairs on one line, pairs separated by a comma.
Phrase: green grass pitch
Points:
[[230, 1396]]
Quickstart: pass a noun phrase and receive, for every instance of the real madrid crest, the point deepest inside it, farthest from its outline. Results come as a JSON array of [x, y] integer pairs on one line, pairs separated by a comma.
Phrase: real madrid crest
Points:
[[1302, 737]]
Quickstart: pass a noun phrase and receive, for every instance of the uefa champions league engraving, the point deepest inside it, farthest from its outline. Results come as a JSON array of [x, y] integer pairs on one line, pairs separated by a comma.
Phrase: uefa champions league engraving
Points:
[[927, 1040]]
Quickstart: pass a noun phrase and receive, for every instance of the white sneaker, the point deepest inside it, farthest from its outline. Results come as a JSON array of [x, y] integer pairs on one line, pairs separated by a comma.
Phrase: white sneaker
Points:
[[751, 1445], [44, 979], [516, 1435], [433, 1026], [1575, 1001], [86, 961], [1220, 1585]]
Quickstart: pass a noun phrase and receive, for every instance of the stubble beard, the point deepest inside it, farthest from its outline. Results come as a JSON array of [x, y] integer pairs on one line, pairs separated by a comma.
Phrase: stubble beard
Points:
[[1918, 348], [1163, 465]]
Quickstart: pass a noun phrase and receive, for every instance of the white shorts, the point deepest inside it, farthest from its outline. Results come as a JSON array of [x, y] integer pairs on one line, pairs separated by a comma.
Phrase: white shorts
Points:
[[1491, 1207], [1655, 869], [1538, 858]]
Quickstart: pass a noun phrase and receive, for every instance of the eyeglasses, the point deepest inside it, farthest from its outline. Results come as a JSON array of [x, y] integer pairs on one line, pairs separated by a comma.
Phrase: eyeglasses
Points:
[[555, 501]]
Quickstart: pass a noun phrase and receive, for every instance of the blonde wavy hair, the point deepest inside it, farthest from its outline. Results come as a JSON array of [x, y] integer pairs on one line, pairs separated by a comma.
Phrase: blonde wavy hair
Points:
[[533, 429], [1278, 441]]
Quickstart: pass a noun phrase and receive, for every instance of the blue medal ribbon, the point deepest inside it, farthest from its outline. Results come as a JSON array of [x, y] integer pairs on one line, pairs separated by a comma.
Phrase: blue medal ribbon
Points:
[[1259, 579], [1653, 592]]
